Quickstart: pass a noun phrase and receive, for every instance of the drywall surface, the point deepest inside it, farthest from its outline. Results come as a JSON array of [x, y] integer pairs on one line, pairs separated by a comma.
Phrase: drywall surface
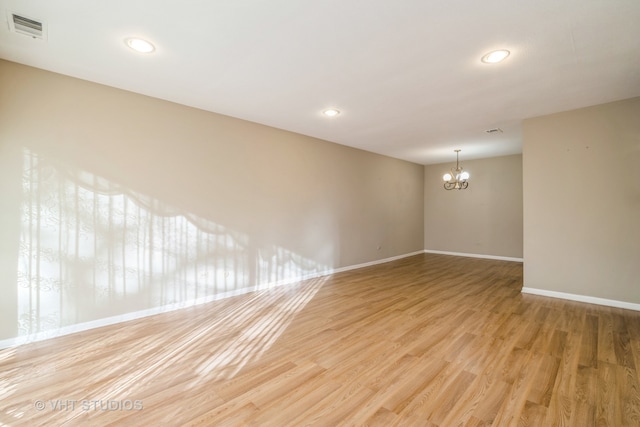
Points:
[[115, 203], [582, 201]]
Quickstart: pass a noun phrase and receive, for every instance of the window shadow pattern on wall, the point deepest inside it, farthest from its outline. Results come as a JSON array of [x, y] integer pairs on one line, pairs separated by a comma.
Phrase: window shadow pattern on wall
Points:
[[93, 249]]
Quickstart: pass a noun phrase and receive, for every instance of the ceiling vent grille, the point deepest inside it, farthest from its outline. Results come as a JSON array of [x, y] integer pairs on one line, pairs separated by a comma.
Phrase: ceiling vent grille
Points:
[[494, 130], [27, 26]]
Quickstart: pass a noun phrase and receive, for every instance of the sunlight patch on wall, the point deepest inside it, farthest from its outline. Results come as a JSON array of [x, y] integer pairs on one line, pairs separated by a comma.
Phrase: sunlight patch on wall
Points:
[[90, 249]]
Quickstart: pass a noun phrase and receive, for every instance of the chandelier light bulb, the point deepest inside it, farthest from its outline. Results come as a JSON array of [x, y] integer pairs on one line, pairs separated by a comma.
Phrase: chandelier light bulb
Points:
[[447, 177]]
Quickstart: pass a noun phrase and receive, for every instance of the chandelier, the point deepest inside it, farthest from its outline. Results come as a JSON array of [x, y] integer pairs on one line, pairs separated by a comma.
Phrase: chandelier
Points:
[[457, 178]]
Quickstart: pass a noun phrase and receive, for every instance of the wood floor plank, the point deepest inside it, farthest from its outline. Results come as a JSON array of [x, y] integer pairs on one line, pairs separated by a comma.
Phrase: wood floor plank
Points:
[[546, 378], [629, 388], [563, 404], [514, 403], [606, 345], [584, 397], [623, 350], [533, 415], [428, 340], [448, 402], [489, 402], [382, 418], [589, 342], [608, 403], [430, 374], [335, 407], [635, 351]]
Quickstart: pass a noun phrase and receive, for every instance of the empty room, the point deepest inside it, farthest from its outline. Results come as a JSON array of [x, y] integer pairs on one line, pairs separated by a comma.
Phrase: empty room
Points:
[[410, 213]]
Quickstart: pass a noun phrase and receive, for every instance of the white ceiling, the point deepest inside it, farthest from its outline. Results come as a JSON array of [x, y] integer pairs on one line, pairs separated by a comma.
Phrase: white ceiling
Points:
[[406, 74]]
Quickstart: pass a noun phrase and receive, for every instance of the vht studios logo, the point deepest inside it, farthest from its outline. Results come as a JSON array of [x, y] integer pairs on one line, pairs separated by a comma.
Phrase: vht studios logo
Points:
[[88, 405]]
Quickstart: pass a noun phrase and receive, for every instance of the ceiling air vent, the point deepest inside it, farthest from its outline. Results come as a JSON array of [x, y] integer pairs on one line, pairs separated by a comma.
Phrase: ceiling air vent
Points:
[[27, 26], [494, 130]]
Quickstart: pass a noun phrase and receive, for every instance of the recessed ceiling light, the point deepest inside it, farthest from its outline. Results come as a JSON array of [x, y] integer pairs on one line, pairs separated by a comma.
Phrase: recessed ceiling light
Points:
[[140, 45], [495, 56], [331, 112]]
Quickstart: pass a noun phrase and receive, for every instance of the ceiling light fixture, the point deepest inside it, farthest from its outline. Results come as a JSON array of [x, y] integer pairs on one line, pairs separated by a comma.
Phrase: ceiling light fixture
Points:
[[457, 179], [139, 45], [495, 56], [331, 112]]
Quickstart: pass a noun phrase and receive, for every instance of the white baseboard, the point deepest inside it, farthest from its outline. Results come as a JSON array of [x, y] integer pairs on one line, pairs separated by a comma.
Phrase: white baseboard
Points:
[[79, 327], [501, 258], [98, 323], [582, 298], [368, 264]]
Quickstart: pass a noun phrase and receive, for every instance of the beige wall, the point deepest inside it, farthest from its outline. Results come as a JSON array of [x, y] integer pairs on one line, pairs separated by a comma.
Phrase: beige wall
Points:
[[484, 219], [582, 201], [115, 202]]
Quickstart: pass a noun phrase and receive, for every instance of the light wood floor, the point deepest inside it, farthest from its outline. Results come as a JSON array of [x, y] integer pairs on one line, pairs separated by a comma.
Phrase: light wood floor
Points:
[[429, 340]]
